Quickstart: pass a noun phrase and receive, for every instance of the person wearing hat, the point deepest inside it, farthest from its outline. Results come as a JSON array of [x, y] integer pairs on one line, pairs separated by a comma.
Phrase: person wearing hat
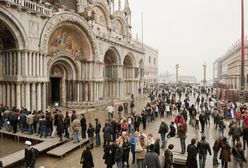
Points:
[[29, 158]]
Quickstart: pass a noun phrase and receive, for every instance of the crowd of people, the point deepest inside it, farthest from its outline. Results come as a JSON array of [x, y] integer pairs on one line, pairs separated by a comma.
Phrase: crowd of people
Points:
[[125, 140]]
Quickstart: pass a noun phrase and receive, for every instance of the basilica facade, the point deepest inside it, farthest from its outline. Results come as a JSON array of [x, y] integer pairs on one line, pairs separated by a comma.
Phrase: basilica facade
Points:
[[68, 52]]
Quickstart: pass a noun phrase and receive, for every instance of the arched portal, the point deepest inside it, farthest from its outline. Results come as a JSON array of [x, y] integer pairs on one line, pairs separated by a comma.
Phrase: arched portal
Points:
[[111, 64], [62, 86], [7, 39]]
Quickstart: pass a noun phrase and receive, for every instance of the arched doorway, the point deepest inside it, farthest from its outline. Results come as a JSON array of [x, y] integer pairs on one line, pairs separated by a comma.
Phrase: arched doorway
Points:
[[63, 85], [128, 75], [111, 84]]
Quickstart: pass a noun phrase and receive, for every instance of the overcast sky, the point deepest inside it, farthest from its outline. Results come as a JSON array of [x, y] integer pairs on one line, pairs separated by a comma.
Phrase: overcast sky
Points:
[[188, 32]]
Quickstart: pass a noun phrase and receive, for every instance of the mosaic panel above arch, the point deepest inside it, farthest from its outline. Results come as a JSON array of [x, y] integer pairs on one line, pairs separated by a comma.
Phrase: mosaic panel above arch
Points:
[[71, 41]]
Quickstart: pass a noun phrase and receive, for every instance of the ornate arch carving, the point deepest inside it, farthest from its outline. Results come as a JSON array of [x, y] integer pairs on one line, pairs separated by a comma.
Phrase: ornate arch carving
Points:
[[115, 52], [122, 22], [104, 8], [133, 61], [58, 20], [16, 27]]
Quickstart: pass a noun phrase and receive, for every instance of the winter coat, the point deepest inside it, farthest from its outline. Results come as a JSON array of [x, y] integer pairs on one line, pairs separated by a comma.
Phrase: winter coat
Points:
[[152, 160], [245, 133], [83, 124], [107, 133], [98, 128], [168, 159], [109, 153], [203, 147], [182, 130], [118, 154], [192, 154], [225, 154], [30, 119], [238, 153], [87, 159], [76, 125], [90, 132], [140, 151], [29, 157]]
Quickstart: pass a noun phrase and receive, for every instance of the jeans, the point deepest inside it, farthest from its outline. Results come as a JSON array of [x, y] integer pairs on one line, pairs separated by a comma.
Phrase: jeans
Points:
[[119, 164], [221, 131], [48, 131], [43, 131], [183, 144], [215, 158], [202, 160], [23, 127], [237, 161], [163, 140], [98, 140], [30, 128], [140, 163], [75, 136]]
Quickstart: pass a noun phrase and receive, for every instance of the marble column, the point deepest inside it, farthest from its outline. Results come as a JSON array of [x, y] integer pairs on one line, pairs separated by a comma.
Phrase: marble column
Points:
[[18, 95], [22, 85], [1, 93], [38, 96], [43, 102], [27, 96], [19, 63], [33, 94], [13, 95], [4, 96], [86, 92], [8, 94]]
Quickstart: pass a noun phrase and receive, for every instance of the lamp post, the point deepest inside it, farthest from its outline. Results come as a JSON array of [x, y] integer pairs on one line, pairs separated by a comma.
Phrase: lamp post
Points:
[[242, 75], [204, 74], [177, 67]]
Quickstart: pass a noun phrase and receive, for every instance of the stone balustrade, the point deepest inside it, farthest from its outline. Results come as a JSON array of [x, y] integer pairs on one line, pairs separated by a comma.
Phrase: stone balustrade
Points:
[[32, 6]]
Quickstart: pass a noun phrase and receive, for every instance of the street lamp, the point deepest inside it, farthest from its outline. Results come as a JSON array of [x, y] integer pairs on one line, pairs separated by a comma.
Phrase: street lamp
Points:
[[242, 75]]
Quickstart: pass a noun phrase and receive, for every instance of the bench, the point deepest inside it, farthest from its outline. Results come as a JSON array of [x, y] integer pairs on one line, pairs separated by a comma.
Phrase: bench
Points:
[[65, 148]]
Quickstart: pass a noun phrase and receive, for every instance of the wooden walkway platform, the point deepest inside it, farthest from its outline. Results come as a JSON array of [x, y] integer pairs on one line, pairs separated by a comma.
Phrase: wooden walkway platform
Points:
[[19, 135], [18, 156], [62, 150], [179, 159]]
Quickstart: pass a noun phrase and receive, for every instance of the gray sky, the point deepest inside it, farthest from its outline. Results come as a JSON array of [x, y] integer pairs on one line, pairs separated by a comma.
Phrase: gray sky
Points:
[[188, 32]]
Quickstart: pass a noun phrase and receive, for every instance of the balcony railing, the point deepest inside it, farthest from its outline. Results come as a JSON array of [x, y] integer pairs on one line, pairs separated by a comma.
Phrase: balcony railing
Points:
[[30, 5]]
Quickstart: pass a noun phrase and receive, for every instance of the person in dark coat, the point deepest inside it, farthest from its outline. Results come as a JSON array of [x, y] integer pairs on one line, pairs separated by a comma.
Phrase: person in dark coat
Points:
[[157, 146], [168, 157], [97, 132], [192, 154], [87, 158], [29, 155], [83, 126], [90, 132], [67, 125], [137, 121], [109, 153], [225, 154], [152, 158], [60, 126], [126, 150], [107, 133]]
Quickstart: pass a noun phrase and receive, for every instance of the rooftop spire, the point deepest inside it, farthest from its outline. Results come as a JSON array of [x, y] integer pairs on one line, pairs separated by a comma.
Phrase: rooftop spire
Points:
[[127, 7]]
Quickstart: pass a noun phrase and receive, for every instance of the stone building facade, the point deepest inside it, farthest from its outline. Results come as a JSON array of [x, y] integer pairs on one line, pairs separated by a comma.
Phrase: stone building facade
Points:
[[227, 69], [68, 52]]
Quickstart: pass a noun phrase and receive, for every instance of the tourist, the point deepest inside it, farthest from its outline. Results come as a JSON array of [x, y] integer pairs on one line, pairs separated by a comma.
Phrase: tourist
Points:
[[152, 158], [144, 119], [97, 132], [83, 126], [168, 157], [134, 138], [120, 110], [150, 140], [137, 121], [179, 120], [238, 155], [60, 126], [222, 126], [42, 124], [13, 118], [126, 151], [30, 121], [182, 134], [73, 116], [23, 122], [202, 118], [130, 124], [67, 124], [109, 153], [75, 129], [197, 119], [163, 129], [235, 131], [238, 117], [245, 136], [225, 154], [140, 152], [203, 148], [107, 133], [55, 123], [87, 158], [192, 151], [110, 110], [124, 127], [49, 122], [29, 156], [118, 152], [216, 149], [157, 146], [90, 132], [172, 132]]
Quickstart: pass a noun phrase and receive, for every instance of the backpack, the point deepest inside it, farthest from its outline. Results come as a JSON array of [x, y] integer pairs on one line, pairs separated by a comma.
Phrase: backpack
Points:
[[35, 152]]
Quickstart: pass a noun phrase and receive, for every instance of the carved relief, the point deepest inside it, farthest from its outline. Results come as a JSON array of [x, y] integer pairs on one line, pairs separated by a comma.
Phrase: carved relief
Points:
[[62, 18], [117, 27], [100, 16], [33, 29]]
